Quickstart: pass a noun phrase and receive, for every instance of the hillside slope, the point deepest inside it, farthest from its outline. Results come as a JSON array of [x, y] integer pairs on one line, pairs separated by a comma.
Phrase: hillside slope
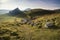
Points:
[[12, 28]]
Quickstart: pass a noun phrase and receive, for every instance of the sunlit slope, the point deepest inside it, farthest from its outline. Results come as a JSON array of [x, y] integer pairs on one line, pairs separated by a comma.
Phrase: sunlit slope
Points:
[[11, 27]]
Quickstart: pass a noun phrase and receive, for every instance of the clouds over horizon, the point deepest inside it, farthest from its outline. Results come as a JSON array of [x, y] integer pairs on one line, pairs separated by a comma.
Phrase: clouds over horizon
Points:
[[23, 4], [9, 4], [45, 4]]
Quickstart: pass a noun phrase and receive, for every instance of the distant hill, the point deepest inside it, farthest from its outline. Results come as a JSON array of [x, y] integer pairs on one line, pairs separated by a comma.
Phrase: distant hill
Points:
[[17, 12], [57, 10], [29, 13], [40, 12], [4, 11]]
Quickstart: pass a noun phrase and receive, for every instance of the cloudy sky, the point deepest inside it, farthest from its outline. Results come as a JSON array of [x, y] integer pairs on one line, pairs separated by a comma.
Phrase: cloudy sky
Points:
[[23, 4]]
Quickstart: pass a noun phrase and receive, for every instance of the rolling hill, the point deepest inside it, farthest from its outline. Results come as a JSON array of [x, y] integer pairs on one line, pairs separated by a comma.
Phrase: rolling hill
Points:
[[35, 26]]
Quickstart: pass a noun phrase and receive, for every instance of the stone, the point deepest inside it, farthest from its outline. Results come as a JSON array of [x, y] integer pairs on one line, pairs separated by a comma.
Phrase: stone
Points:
[[49, 24], [24, 21]]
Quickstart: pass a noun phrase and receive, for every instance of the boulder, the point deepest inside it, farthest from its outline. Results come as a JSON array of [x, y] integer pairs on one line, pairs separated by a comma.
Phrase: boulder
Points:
[[24, 21], [49, 25]]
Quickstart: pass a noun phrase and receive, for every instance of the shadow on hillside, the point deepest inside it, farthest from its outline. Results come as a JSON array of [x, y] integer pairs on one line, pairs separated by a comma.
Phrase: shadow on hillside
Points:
[[40, 13], [54, 27]]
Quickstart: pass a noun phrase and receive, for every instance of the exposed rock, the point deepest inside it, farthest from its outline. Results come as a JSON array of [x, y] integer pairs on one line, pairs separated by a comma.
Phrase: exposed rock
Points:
[[49, 25], [24, 21]]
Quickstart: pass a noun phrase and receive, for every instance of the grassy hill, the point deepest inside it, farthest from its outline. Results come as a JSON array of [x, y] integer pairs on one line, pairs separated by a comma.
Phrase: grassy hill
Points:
[[11, 27]]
